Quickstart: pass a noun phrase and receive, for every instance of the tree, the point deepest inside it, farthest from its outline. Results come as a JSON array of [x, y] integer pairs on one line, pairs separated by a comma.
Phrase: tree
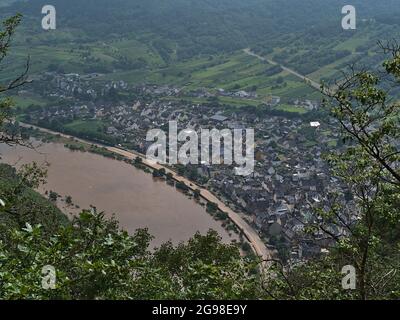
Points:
[[68, 200], [197, 194], [53, 196], [6, 34]]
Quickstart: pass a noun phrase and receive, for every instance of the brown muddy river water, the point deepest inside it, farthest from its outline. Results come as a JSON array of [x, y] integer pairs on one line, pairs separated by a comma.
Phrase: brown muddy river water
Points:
[[136, 199]]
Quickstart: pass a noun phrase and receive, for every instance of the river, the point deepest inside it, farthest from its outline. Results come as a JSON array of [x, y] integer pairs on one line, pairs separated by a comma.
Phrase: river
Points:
[[136, 199]]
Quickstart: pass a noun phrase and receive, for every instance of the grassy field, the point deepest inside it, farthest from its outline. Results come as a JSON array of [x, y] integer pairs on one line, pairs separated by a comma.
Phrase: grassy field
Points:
[[232, 72], [291, 109], [147, 56], [26, 101], [86, 126], [235, 71]]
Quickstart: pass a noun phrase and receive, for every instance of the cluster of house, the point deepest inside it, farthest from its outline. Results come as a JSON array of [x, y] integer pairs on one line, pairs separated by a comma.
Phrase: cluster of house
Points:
[[306, 104], [238, 94], [206, 93], [289, 181], [62, 85], [290, 177], [164, 90]]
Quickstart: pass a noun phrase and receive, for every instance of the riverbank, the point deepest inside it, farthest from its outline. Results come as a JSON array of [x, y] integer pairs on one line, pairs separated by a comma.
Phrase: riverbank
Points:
[[249, 233]]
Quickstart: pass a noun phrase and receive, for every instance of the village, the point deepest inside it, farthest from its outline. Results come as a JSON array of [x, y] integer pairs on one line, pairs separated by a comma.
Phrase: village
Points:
[[290, 178]]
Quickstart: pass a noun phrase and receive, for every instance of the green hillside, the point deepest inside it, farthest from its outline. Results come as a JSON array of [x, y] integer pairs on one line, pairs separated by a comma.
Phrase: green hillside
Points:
[[198, 43]]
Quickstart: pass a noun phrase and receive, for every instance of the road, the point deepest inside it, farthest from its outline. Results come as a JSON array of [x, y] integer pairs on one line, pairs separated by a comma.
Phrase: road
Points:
[[313, 83], [251, 235]]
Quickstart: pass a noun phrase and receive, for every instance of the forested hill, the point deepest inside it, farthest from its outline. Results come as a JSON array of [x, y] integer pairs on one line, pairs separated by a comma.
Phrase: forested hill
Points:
[[198, 26]]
